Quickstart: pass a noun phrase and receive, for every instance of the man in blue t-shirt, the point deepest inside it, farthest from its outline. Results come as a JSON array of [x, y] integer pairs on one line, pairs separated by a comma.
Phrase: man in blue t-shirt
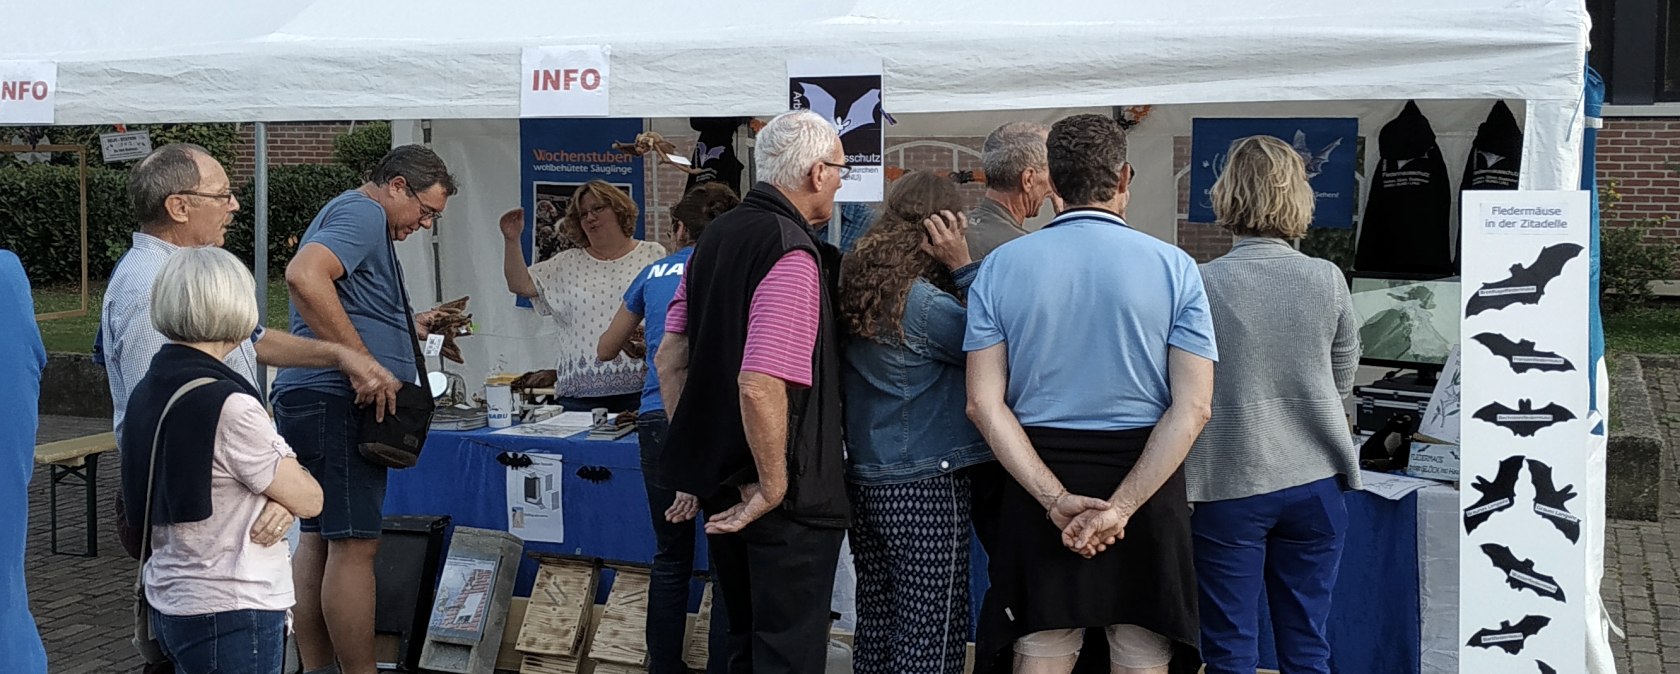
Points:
[[20, 642], [347, 287], [673, 562]]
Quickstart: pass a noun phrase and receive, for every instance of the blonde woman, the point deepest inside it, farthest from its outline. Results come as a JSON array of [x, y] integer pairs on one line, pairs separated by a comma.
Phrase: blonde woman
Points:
[[1267, 474], [580, 289]]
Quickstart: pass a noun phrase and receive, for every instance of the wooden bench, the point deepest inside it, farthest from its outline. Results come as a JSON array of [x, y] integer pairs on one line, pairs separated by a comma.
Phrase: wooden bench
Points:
[[78, 457]]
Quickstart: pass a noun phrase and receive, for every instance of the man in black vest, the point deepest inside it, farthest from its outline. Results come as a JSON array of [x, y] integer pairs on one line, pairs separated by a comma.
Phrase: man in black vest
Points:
[[750, 374]]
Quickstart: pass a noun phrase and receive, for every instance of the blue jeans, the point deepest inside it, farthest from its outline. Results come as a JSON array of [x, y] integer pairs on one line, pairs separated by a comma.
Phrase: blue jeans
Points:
[[1290, 540], [673, 569], [325, 430], [232, 642]]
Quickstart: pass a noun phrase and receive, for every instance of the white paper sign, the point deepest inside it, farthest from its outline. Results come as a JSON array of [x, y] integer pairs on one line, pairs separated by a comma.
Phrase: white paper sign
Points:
[[564, 81], [125, 146], [534, 506], [28, 92], [434, 345], [848, 95], [1440, 418], [1524, 432]]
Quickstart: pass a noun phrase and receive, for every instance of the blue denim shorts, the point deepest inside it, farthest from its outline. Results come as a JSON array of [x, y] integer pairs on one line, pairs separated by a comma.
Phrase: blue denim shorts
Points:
[[324, 429]]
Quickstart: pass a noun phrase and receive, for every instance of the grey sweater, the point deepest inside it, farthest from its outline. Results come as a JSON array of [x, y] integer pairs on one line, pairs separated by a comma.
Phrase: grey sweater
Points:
[[1288, 351]]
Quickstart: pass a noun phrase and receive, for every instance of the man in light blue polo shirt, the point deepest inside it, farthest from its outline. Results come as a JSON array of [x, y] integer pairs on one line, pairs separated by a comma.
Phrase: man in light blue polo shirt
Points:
[[1090, 373]]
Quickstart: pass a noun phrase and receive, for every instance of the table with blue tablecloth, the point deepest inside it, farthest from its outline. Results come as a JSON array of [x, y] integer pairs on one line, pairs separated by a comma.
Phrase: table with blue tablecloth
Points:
[[1395, 602]]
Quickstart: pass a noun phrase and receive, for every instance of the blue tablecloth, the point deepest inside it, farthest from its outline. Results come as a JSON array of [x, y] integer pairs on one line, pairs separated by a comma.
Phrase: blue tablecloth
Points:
[[1374, 628]]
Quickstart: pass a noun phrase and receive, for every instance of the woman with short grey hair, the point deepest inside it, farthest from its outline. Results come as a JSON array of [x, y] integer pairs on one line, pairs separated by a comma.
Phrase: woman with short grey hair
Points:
[[218, 591], [1267, 473]]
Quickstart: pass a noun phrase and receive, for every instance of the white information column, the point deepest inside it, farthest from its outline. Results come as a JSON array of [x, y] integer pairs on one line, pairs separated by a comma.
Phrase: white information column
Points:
[[1525, 433]]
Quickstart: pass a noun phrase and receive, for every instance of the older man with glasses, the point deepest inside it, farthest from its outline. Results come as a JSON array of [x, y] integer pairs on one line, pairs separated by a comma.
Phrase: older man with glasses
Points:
[[347, 288]]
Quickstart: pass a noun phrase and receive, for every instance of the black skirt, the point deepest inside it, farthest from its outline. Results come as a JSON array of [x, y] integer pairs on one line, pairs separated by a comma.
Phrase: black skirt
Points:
[[1146, 579]]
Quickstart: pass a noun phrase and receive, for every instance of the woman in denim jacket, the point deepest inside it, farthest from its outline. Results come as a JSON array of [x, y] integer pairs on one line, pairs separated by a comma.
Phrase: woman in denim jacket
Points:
[[907, 436]]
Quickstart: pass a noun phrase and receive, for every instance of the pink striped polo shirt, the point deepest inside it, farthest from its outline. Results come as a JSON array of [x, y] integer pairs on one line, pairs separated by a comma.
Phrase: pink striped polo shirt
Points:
[[781, 323]]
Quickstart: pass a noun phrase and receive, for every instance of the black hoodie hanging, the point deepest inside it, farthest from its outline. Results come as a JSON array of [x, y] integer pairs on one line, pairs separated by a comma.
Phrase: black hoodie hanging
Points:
[[1405, 229], [714, 152], [1495, 159]]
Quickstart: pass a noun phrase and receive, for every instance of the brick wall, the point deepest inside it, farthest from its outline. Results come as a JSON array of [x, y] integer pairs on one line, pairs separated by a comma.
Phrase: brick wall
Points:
[[1643, 156], [288, 143]]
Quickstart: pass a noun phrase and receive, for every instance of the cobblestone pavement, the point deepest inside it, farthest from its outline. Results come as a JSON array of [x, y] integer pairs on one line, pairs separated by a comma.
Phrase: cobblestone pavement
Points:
[[83, 608]]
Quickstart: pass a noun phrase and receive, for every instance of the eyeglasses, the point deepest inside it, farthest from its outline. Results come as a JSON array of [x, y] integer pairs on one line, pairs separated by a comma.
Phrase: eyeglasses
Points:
[[845, 169], [427, 213], [223, 197]]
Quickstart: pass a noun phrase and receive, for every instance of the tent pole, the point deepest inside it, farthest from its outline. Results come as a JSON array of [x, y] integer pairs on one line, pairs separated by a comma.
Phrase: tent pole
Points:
[[260, 246]]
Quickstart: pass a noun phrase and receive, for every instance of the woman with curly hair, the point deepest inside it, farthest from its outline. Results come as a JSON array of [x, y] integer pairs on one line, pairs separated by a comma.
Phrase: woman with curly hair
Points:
[[908, 439], [580, 287]]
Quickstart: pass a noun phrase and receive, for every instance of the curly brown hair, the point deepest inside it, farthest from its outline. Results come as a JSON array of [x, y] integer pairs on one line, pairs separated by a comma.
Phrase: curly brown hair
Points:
[[875, 278], [572, 225], [701, 205]]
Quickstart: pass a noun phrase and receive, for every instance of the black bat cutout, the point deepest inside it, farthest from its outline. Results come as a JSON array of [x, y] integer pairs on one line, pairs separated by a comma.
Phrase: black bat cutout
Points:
[[1525, 420], [1525, 285], [1550, 502], [1498, 495], [1545, 668], [1520, 574], [1510, 638], [1522, 356]]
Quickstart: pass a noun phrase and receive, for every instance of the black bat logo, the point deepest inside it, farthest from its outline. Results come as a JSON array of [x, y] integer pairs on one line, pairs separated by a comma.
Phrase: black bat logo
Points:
[[1545, 668], [1524, 421], [1511, 638], [1522, 355], [1525, 285], [1498, 495], [1521, 574], [1549, 501]]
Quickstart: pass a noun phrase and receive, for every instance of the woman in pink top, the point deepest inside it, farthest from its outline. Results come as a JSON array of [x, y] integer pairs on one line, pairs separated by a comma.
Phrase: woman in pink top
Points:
[[218, 575]]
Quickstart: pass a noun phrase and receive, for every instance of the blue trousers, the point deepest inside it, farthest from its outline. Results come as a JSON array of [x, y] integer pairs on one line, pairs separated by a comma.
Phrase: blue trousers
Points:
[[673, 569], [233, 642], [1288, 542]]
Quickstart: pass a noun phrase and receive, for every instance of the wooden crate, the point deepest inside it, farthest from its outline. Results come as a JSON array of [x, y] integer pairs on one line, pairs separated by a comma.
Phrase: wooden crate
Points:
[[699, 640], [557, 618], [621, 635], [616, 668], [550, 664]]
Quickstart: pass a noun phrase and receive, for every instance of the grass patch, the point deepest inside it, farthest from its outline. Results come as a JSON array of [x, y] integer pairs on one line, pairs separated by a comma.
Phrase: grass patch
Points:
[[75, 335], [1650, 329]]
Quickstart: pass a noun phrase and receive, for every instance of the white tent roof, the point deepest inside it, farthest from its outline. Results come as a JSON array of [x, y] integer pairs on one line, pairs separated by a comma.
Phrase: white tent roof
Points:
[[280, 60]]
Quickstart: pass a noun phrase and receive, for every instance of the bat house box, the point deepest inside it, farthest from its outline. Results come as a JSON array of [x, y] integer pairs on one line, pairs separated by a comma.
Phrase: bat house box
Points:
[[1385, 398], [474, 593]]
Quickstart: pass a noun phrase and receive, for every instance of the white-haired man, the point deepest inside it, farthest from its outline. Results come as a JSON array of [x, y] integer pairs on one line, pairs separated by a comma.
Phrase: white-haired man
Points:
[[750, 374], [1017, 183]]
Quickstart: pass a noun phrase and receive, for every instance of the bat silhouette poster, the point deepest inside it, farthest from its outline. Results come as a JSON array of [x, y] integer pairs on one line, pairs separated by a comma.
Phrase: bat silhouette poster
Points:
[[848, 95], [1329, 147]]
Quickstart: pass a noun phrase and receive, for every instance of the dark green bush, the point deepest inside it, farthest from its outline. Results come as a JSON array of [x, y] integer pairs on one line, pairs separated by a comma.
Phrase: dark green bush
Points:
[[222, 140], [1629, 264], [40, 220], [362, 148], [295, 194]]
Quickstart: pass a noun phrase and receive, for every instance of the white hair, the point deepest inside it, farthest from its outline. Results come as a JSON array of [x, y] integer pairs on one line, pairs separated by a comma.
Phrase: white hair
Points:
[[790, 145], [204, 295]]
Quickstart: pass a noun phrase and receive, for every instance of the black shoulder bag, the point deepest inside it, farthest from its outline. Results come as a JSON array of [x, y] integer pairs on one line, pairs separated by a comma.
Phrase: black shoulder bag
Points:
[[396, 441]]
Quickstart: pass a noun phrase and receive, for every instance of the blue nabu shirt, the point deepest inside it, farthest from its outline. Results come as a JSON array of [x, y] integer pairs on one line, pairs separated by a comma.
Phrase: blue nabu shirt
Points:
[[353, 227], [1087, 308], [650, 296]]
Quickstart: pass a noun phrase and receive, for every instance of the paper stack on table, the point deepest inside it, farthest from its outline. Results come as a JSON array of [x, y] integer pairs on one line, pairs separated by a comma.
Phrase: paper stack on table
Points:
[[562, 426]]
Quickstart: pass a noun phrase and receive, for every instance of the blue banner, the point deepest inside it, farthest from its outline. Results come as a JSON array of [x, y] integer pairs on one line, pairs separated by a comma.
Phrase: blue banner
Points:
[[1328, 146], [558, 156]]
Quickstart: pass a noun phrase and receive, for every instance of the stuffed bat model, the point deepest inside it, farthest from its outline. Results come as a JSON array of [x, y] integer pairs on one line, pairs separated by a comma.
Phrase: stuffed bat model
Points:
[[450, 320], [1525, 285], [1524, 421], [1549, 501], [1511, 638], [1521, 575], [1522, 356], [1498, 495], [664, 151]]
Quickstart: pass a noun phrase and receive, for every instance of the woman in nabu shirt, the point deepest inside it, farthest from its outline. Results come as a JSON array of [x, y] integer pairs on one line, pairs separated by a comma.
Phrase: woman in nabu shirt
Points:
[[580, 289], [908, 439], [219, 585]]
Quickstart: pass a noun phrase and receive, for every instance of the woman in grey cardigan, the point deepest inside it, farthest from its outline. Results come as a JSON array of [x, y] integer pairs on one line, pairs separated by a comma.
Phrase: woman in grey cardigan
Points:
[[1267, 473]]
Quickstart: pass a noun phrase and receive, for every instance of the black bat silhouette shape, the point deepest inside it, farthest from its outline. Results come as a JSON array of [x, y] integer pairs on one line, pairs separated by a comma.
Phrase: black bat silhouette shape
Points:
[[1520, 574], [1525, 285], [1525, 420], [1498, 495], [1549, 501], [1545, 668], [1522, 355], [1511, 638]]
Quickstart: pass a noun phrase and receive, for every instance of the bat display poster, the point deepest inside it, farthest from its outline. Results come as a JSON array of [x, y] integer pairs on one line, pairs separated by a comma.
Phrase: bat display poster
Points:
[[559, 155], [848, 95], [1524, 432], [1328, 146]]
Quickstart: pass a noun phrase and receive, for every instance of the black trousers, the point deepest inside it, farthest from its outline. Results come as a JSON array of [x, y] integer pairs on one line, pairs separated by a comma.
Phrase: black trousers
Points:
[[777, 576]]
